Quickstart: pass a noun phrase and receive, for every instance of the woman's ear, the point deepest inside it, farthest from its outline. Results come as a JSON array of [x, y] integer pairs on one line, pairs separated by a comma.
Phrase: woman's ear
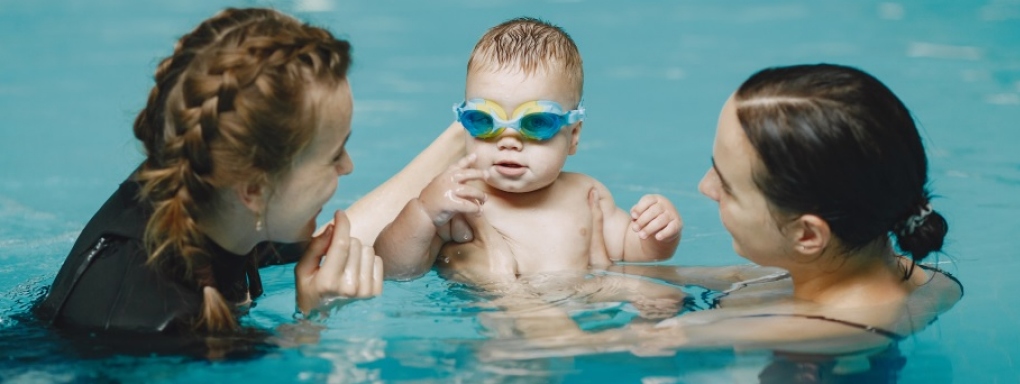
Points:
[[809, 234], [252, 195], [575, 137]]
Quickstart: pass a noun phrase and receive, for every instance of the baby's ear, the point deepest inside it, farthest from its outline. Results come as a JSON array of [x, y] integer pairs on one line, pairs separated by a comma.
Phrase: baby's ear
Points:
[[575, 137]]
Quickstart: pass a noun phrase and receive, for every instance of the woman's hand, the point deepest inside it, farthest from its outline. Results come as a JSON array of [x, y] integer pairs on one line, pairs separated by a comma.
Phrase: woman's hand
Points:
[[336, 267]]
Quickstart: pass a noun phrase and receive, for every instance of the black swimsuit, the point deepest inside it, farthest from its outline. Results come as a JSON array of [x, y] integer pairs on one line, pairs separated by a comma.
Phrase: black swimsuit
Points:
[[106, 285]]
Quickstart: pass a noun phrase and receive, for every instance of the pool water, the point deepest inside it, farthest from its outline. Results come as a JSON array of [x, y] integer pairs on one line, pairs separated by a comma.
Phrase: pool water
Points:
[[73, 74]]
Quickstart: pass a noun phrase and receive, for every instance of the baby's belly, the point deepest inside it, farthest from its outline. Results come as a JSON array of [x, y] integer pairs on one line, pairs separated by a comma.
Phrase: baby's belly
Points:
[[470, 262]]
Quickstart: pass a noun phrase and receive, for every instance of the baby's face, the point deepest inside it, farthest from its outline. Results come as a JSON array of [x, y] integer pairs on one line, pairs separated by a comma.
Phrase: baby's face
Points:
[[516, 164]]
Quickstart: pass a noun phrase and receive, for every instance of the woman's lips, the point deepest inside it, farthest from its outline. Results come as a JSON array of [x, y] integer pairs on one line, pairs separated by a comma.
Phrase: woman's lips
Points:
[[510, 169]]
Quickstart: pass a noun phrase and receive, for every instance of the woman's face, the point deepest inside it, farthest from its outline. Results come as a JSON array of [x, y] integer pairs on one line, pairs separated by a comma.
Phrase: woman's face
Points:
[[742, 207], [299, 193]]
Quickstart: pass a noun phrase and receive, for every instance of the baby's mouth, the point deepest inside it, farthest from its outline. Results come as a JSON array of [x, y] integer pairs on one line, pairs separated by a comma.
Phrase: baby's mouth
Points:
[[510, 168]]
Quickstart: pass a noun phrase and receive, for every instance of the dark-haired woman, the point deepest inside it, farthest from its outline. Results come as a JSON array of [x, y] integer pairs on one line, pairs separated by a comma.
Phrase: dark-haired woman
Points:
[[820, 176], [819, 171]]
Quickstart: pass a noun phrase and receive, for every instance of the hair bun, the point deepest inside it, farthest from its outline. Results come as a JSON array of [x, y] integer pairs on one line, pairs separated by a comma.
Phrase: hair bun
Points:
[[922, 233]]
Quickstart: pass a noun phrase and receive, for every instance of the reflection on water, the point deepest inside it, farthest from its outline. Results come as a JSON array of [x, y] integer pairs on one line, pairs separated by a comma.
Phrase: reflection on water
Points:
[[350, 348], [860, 344]]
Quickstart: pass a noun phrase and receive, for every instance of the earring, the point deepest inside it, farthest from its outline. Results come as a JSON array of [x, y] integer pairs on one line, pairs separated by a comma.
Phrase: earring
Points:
[[258, 222]]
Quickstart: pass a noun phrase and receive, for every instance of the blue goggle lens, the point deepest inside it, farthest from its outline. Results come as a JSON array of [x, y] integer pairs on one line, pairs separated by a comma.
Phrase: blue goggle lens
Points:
[[535, 126], [542, 125], [478, 124]]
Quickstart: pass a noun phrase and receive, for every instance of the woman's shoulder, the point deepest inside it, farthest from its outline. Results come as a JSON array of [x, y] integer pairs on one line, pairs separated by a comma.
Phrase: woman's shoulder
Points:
[[106, 282], [112, 287], [937, 290]]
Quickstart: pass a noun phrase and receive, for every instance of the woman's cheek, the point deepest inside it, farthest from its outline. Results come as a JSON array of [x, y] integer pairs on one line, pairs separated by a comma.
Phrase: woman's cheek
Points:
[[727, 213]]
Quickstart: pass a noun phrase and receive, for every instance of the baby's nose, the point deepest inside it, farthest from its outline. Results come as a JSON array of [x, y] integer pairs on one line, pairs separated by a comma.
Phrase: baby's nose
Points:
[[510, 139]]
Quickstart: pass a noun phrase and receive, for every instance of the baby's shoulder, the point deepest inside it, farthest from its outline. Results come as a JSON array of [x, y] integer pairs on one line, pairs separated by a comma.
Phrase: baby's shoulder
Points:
[[581, 183], [577, 180]]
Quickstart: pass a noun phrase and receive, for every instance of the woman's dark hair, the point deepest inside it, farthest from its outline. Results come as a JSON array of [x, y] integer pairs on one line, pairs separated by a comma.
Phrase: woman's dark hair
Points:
[[837, 143]]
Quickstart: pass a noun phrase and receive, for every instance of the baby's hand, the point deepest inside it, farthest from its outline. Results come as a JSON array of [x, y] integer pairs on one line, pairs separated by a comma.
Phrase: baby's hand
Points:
[[449, 193], [655, 215]]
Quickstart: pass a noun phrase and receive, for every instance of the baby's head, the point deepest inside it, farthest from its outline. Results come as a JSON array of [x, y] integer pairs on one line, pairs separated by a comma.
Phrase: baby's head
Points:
[[524, 85]]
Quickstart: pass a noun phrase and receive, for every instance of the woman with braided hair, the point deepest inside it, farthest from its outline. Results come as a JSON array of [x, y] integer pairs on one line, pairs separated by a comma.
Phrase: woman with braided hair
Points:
[[245, 134]]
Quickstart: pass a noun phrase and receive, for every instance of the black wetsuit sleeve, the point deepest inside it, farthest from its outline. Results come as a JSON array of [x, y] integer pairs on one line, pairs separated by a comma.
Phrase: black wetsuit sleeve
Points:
[[118, 291], [105, 283]]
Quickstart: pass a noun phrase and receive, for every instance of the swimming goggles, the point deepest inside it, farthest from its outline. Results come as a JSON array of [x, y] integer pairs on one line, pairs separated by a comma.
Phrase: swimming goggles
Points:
[[535, 120]]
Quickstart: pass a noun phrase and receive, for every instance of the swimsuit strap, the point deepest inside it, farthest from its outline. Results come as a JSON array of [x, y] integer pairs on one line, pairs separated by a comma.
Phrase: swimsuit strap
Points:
[[878, 331], [715, 301], [944, 273]]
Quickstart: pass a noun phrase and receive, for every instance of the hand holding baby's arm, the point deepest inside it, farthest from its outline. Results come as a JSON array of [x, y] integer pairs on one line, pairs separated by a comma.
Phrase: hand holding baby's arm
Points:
[[336, 269]]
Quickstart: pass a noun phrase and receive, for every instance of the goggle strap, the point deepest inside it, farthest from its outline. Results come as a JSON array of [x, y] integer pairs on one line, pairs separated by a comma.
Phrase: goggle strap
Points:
[[575, 115]]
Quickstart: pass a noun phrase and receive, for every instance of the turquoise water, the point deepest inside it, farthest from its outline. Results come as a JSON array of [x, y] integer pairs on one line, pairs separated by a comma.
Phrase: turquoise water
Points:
[[74, 73]]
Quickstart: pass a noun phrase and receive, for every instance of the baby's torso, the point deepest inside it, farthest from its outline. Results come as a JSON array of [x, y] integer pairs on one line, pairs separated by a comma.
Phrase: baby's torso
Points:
[[551, 233]]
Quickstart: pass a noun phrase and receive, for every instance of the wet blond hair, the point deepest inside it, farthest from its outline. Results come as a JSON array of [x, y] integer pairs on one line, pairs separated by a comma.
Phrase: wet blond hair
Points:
[[232, 104], [529, 45]]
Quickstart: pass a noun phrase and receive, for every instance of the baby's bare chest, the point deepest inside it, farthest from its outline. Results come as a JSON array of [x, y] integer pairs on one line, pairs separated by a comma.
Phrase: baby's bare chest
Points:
[[551, 238]]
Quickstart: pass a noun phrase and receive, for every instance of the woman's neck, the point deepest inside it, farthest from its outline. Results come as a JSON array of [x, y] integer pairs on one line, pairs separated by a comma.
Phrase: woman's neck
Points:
[[232, 229], [872, 275]]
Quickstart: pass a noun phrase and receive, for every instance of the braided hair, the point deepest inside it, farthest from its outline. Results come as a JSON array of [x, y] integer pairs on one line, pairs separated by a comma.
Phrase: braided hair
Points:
[[231, 105]]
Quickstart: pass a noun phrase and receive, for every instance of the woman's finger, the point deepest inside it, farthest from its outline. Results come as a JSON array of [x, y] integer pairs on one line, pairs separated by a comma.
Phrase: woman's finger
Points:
[[377, 276], [349, 279], [309, 261], [365, 272], [339, 247], [599, 254]]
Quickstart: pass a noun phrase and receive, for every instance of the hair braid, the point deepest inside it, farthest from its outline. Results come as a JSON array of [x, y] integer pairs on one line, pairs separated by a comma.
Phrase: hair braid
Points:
[[230, 105]]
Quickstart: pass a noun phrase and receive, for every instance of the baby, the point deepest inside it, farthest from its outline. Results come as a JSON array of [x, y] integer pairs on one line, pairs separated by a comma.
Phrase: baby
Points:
[[524, 214]]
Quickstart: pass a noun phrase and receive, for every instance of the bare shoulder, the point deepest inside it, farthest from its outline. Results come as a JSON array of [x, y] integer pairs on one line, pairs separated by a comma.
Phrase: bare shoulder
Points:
[[576, 178], [581, 183]]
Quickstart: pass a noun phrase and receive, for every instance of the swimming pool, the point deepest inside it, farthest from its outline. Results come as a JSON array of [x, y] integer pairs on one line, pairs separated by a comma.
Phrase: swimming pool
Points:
[[73, 75]]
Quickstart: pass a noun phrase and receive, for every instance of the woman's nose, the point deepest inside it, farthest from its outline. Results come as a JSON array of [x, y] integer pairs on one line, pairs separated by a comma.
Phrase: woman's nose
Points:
[[709, 185]]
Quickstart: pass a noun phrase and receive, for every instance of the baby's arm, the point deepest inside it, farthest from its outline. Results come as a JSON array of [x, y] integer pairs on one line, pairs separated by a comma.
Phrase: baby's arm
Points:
[[651, 232], [409, 245]]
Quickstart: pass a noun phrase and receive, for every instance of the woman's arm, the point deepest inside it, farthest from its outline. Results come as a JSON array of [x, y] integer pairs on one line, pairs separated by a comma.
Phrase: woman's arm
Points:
[[379, 207]]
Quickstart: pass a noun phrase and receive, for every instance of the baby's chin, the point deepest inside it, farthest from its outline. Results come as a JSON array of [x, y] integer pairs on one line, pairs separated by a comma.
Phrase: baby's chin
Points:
[[517, 186]]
